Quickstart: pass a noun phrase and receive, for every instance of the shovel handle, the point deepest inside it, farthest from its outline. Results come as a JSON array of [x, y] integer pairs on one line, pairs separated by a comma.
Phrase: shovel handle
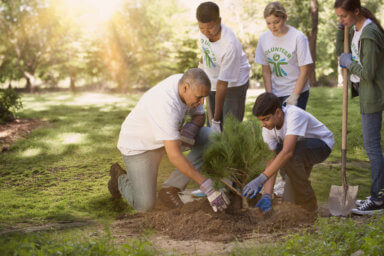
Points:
[[345, 115]]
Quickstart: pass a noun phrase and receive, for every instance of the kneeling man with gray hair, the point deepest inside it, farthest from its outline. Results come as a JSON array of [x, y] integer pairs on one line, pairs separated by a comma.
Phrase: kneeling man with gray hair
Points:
[[156, 126]]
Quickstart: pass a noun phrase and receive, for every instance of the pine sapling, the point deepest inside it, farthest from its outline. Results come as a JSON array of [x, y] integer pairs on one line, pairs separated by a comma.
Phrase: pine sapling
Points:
[[237, 155]]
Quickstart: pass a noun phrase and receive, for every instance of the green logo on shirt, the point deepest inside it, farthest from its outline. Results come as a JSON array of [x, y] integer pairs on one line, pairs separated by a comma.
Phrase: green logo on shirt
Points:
[[277, 63], [209, 56]]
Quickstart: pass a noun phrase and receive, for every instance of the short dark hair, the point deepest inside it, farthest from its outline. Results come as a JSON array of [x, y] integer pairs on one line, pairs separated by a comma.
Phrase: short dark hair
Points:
[[207, 12], [196, 77], [266, 104]]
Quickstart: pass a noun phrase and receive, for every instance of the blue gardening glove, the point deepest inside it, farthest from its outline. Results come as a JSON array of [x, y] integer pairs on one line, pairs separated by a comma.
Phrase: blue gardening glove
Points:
[[265, 203], [345, 60], [189, 133], [254, 187], [217, 199]]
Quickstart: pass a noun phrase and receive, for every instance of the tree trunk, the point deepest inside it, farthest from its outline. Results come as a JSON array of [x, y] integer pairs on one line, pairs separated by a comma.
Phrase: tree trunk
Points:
[[312, 41], [30, 86], [72, 83]]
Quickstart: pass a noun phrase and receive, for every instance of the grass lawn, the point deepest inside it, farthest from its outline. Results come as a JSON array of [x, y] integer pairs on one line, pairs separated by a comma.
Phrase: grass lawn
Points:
[[59, 172]]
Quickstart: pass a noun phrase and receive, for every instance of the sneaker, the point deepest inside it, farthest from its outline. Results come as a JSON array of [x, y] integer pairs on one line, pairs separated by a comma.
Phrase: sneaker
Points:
[[170, 197], [113, 187], [369, 207], [362, 201]]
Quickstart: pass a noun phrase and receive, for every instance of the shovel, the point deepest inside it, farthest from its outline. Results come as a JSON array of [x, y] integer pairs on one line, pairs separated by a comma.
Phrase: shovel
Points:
[[342, 198]]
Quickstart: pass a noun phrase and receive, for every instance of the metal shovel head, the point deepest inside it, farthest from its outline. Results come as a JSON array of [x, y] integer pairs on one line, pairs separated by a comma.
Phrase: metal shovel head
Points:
[[335, 201]]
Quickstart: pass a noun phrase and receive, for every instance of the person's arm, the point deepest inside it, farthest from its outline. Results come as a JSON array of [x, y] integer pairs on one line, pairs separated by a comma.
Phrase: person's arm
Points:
[[221, 92], [270, 183], [198, 119], [172, 147], [285, 154], [370, 60], [301, 80], [266, 70]]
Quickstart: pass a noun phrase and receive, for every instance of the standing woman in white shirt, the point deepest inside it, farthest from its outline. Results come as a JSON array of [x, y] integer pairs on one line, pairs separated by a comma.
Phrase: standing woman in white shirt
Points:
[[284, 54]]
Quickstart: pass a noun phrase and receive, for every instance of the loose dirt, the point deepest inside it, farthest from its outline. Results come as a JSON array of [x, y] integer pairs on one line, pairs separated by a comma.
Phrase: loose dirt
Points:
[[196, 220], [10, 132]]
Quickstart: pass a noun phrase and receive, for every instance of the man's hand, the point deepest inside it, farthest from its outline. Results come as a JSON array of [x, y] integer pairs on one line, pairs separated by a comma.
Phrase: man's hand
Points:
[[215, 125], [265, 203], [254, 187], [189, 133], [218, 200], [345, 60], [292, 99]]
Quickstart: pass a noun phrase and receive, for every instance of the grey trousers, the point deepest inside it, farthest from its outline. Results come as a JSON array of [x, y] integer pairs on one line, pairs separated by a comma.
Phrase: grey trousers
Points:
[[138, 186], [234, 102]]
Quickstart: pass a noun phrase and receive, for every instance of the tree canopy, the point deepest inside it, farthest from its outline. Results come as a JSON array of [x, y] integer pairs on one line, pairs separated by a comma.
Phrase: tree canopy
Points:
[[128, 44]]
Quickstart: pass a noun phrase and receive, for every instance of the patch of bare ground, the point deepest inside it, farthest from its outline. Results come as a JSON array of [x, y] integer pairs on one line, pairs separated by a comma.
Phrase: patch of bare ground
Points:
[[10, 132], [196, 229]]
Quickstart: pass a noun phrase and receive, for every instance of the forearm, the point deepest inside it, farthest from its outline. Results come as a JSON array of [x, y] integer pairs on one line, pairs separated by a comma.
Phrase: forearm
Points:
[[221, 92], [181, 162], [266, 70], [302, 80], [268, 186], [198, 120], [277, 163]]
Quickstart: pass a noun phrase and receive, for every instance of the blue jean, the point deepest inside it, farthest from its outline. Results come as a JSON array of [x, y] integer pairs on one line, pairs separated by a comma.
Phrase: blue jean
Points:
[[301, 102], [138, 186], [234, 102], [371, 127], [298, 168]]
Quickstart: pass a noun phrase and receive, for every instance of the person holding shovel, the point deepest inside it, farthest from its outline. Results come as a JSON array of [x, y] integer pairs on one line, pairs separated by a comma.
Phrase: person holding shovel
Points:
[[154, 127], [226, 64], [365, 64], [298, 141], [284, 54]]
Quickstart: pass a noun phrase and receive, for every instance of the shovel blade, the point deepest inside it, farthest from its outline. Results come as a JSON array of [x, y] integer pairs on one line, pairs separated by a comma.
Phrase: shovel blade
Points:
[[335, 200]]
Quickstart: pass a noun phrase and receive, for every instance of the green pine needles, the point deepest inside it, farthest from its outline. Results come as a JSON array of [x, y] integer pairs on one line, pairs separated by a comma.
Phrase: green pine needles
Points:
[[238, 154]]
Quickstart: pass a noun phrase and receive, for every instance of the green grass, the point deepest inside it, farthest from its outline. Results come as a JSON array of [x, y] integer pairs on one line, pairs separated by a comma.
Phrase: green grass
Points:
[[74, 242], [59, 172], [331, 236]]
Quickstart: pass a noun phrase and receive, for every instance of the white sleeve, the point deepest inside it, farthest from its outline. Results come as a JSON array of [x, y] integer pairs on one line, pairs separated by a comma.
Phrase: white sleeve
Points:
[[230, 66], [164, 122], [303, 52], [270, 140], [297, 123], [259, 56]]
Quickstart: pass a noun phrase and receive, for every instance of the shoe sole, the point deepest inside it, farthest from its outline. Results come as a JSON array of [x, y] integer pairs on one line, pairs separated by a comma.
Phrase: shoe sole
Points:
[[358, 212]]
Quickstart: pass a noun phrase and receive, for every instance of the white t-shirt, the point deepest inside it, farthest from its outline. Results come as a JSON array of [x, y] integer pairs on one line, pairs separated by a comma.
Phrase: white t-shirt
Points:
[[301, 123], [224, 59], [355, 49], [284, 54], [159, 115]]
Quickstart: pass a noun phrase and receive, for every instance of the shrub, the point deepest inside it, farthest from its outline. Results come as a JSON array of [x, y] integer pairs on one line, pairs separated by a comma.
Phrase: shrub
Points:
[[10, 102]]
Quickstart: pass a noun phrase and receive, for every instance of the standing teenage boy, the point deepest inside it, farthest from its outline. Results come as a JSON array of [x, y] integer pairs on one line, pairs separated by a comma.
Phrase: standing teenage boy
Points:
[[226, 64]]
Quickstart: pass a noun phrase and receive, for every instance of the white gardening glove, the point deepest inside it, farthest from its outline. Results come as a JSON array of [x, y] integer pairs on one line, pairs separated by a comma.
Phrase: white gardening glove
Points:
[[215, 125], [292, 99], [217, 199]]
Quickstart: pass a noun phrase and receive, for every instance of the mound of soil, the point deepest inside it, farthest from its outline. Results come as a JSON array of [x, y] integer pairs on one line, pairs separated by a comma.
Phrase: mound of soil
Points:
[[12, 131], [196, 220]]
